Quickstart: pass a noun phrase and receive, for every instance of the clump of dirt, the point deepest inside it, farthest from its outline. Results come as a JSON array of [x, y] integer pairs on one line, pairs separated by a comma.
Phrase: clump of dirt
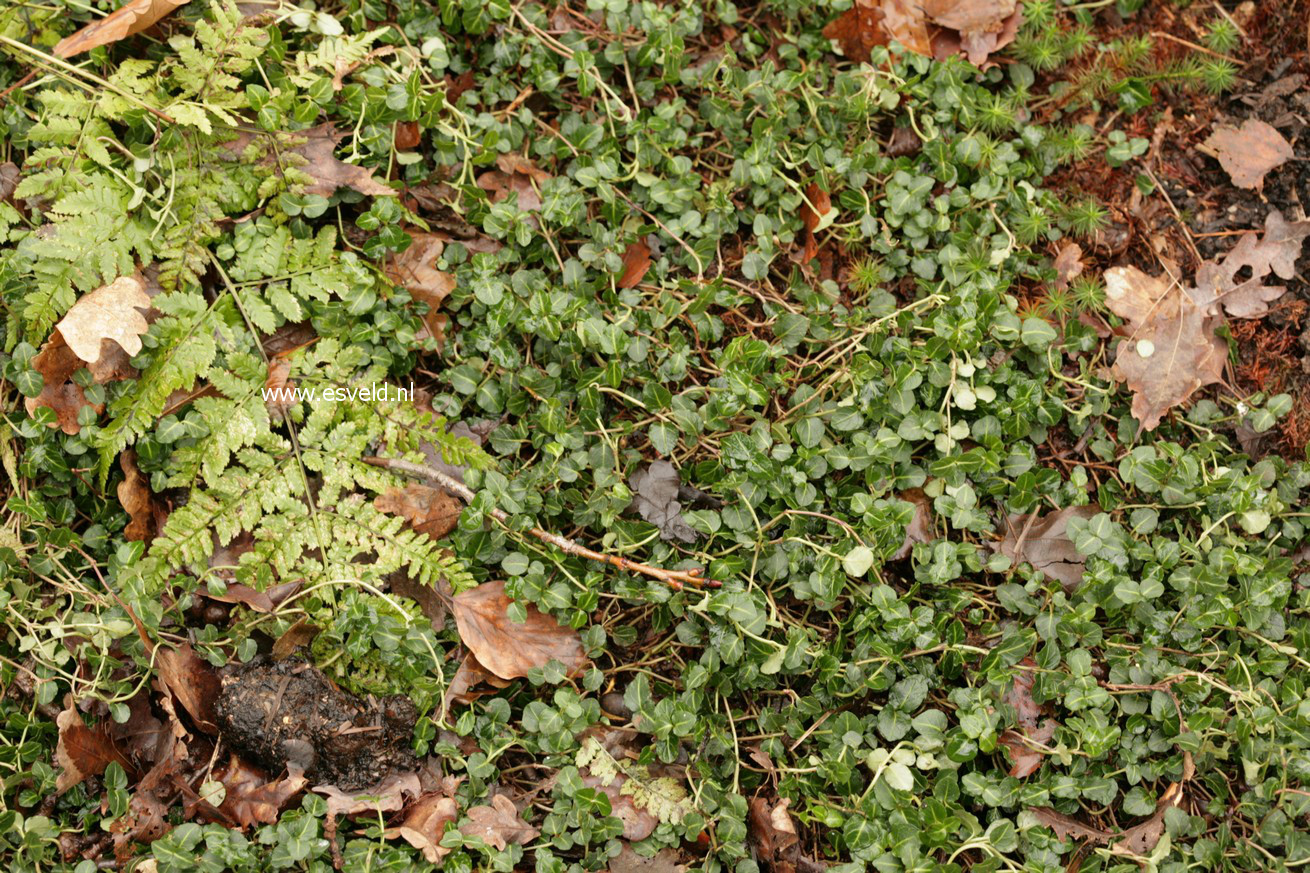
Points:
[[281, 713]]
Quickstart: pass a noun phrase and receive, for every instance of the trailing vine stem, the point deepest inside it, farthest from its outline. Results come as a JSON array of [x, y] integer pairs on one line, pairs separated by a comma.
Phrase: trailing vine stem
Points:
[[675, 579]]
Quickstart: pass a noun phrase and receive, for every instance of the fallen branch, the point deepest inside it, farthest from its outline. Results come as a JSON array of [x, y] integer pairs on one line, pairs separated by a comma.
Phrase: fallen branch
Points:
[[675, 579]]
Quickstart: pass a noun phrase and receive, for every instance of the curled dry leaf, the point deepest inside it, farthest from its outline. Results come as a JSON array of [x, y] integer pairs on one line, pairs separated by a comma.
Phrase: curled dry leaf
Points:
[[82, 751], [655, 497], [507, 649], [326, 171], [424, 824], [499, 825], [1249, 153], [279, 391], [428, 510], [415, 270], [129, 19], [515, 175], [816, 211], [259, 601], [193, 682], [250, 798], [147, 514], [1041, 540], [300, 634], [636, 263], [1068, 264], [1032, 727], [472, 680], [1171, 349], [919, 530], [772, 830]]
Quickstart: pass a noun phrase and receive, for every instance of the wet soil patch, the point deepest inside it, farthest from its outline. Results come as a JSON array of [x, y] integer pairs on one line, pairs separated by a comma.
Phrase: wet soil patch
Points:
[[281, 713]]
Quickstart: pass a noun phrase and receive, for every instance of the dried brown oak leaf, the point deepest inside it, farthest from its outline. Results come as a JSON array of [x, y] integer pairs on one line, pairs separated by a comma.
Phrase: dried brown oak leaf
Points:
[[1140, 839], [428, 510], [1171, 349], [424, 824], [1249, 153], [772, 830], [663, 861], [870, 23], [1032, 727], [1275, 252], [515, 175], [506, 648], [108, 313], [655, 497], [131, 18], [250, 798], [499, 825], [415, 270], [327, 172], [636, 263], [1043, 542], [82, 751]]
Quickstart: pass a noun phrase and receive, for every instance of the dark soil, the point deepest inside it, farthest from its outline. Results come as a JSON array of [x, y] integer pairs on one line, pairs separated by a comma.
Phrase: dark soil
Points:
[[281, 713]]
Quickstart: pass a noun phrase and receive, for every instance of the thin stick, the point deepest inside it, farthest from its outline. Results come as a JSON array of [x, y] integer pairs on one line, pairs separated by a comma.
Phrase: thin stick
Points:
[[675, 579]]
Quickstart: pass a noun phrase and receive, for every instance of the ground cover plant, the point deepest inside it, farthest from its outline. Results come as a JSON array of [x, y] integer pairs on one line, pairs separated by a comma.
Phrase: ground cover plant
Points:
[[648, 436]]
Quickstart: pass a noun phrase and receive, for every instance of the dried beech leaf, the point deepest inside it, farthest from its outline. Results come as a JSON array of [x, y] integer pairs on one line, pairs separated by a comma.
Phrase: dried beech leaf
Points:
[[147, 515], [636, 262], [499, 824], [1044, 543], [428, 510], [329, 173], [82, 751], [1249, 153], [507, 649], [870, 23], [131, 18], [1171, 350], [193, 682]]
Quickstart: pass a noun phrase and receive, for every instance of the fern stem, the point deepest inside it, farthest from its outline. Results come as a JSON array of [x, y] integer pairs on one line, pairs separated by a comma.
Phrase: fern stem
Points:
[[675, 579]]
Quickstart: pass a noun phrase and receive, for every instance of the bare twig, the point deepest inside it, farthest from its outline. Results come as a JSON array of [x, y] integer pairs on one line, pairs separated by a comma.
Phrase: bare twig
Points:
[[675, 579]]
